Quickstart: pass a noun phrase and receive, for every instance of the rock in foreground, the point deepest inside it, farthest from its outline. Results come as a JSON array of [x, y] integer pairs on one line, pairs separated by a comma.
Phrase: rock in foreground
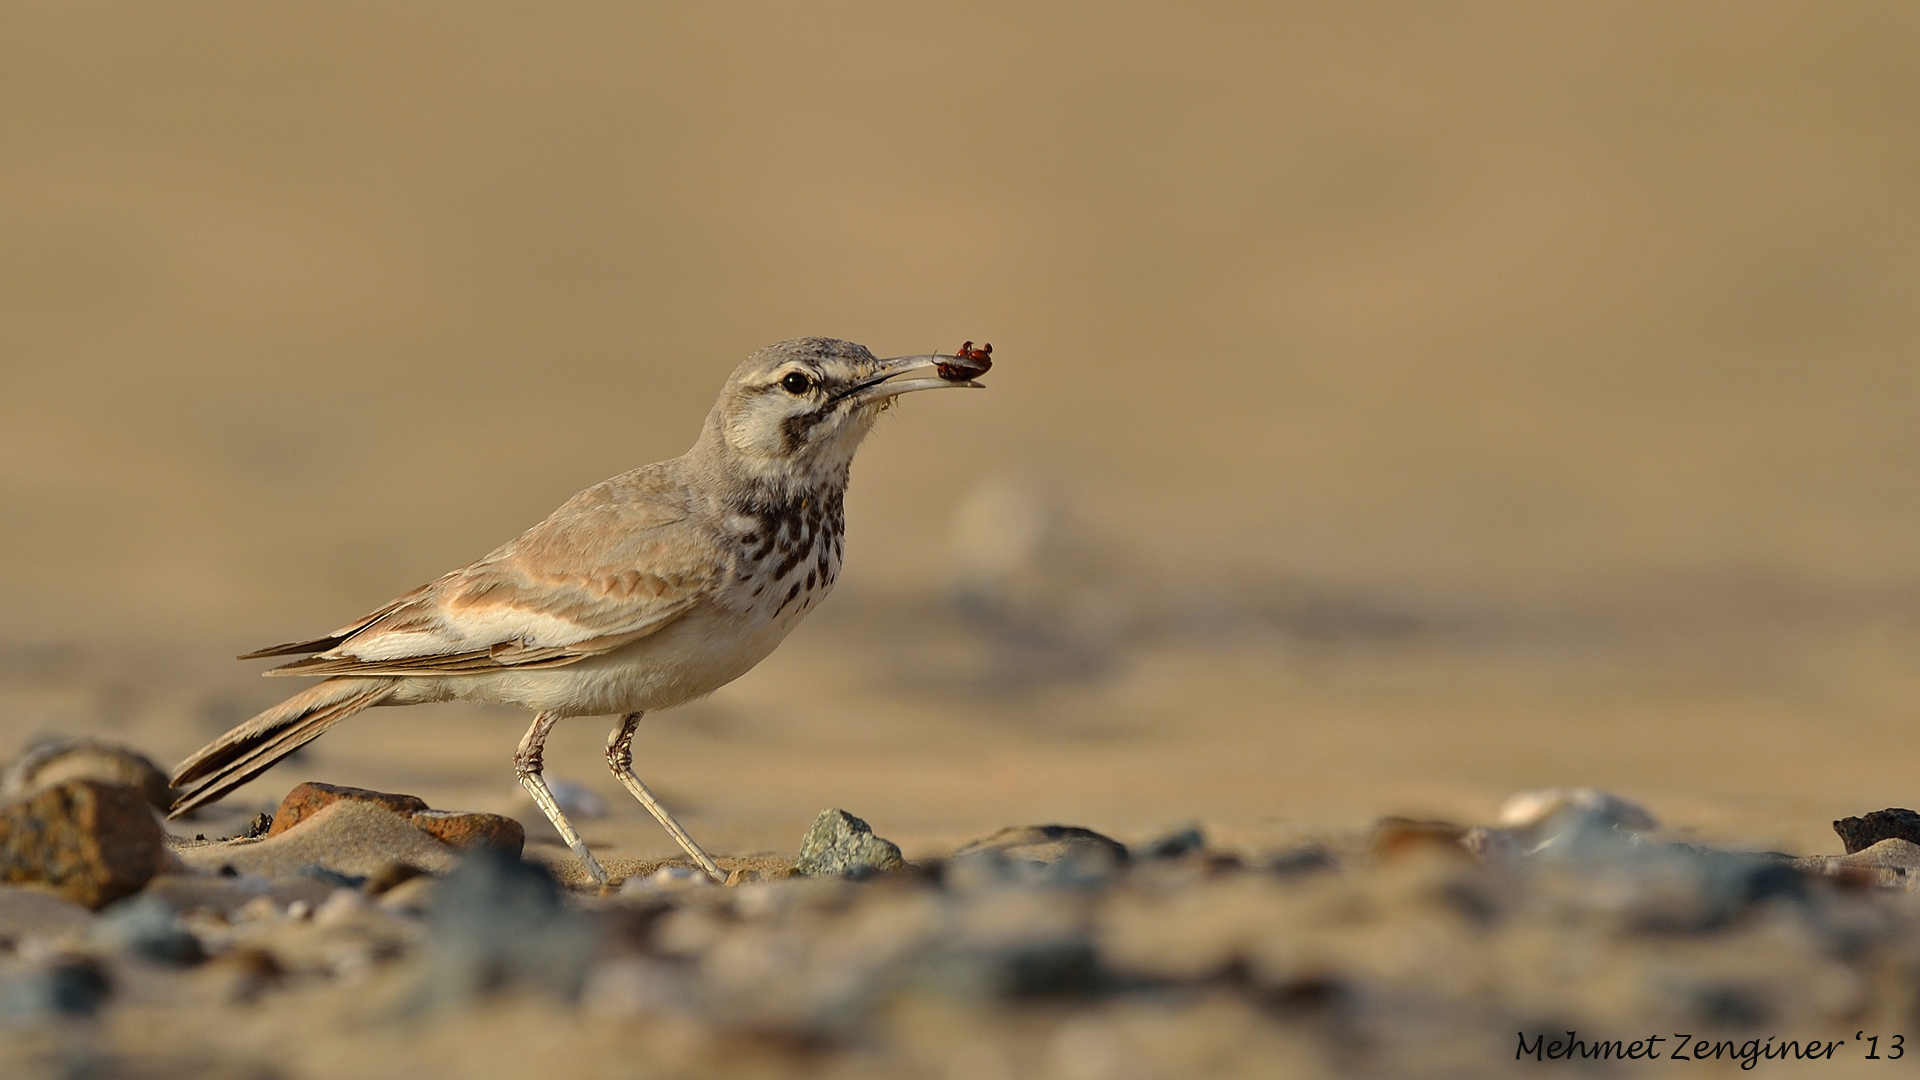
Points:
[[88, 841], [53, 763]]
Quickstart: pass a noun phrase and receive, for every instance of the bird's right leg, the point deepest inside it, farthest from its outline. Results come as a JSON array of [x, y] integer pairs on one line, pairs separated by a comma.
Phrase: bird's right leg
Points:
[[526, 765]]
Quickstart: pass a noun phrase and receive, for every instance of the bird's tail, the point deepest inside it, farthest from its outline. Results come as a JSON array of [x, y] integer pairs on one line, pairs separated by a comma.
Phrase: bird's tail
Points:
[[253, 747]]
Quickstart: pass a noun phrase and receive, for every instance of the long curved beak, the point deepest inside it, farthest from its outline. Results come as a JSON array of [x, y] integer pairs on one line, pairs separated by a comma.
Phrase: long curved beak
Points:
[[905, 374]]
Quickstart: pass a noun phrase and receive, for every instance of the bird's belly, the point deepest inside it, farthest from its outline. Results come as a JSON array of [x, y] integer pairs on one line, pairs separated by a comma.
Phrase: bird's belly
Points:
[[696, 655]]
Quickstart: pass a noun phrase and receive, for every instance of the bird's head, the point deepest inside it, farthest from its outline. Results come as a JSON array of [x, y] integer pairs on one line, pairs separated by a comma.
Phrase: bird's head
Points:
[[793, 414]]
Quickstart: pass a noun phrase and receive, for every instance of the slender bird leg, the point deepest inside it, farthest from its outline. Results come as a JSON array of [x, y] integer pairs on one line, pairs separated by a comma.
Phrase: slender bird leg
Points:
[[526, 765], [620, 760]]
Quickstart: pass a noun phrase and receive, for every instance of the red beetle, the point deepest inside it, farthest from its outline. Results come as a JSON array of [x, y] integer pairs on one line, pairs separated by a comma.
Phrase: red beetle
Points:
[[966, 363]]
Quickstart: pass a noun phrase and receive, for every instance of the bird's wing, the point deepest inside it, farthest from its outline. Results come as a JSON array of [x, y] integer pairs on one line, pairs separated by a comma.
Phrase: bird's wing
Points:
[[605, 570]]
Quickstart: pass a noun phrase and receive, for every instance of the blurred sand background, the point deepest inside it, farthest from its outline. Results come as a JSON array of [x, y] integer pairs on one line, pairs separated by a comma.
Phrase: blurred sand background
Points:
[[1395, 407]]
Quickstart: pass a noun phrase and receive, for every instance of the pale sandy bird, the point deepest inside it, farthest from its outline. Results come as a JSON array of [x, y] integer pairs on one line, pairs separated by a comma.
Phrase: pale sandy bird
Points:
[[639, 593]]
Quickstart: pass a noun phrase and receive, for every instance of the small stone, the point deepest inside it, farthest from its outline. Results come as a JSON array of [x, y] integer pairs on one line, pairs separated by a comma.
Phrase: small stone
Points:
[[246, 972], [68, 986], [1176, 844], [391, 877], [1301, 861], [497, 922], [465, 829], [1531, 808], [88, 841], [309, 798], [147, 927], [577, 800], [27, 913], [1047, 844], [1860, 833], [413, 896], [1050, 855], [1394, 837], [57, 761], [351, 838], [339, 908], [841, 844]]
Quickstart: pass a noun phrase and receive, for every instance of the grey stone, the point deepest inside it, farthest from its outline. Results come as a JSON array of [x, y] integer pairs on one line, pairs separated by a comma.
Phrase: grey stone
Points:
[[63, 987], [1175, 844], [497, 922], [89, 841], [1048, 844], [1532, 808], [57, 761], [1301, 861], [1063, 855], [28, 913], [148, 928], [351, 838], [841, 844]]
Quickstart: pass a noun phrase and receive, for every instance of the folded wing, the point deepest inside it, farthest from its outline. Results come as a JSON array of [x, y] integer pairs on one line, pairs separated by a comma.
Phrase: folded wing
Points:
[[608, 568]]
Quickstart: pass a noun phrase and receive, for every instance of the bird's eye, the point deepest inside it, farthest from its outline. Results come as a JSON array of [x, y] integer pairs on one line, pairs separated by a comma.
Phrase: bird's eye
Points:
[[796, 382]]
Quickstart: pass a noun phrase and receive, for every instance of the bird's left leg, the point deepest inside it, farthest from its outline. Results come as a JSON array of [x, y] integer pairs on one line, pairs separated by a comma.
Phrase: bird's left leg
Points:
[[620, 760]]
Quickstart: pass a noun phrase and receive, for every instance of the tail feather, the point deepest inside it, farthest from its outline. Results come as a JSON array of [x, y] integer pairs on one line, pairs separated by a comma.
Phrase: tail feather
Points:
[[253, 747]]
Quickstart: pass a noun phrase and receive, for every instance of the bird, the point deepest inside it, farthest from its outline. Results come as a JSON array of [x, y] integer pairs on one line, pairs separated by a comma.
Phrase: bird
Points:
[[640, 593]]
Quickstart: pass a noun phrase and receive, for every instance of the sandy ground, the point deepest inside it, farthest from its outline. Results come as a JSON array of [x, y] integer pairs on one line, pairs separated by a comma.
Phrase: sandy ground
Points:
[[1416, 407]]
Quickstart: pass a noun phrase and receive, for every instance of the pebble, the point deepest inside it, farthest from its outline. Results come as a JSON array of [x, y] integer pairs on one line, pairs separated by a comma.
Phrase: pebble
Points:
[[62, 987], [1529, 809], [352, 838], [576, 800], [1563, 823], [1860, 833], [1048, 844], [1395, 837], [88, 841], [841, 844], [497, 922], [1059, 855], [1176, 844], [148, 928], [57, 761]]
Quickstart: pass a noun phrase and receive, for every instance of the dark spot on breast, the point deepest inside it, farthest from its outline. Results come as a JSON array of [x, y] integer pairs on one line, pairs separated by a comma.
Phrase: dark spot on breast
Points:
[[791, 593]]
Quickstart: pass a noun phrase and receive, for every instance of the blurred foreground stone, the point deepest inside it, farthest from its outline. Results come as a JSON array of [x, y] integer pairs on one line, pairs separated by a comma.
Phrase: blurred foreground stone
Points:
[[88, 841], [55, 761], [497, 922]]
